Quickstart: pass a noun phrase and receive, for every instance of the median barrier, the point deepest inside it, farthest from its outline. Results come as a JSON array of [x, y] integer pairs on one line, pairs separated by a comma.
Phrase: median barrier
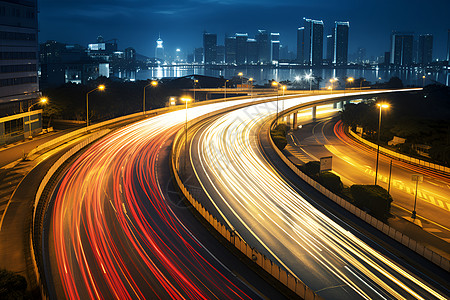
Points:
[[300, 289], [385, 228], [400, 156]]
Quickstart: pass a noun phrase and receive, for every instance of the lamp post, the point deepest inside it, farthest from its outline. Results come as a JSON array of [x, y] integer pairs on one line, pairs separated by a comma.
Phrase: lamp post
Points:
[[332, 80], [283, 88], [309, 78], [240, 74], [251, 87], [152, 83], [360, 85], [42, 100], [380, 105], [172, 101], [100, 88], [185, 100], [423, 80], [349, 80], [195, 84], [226, 88], [274, 83]]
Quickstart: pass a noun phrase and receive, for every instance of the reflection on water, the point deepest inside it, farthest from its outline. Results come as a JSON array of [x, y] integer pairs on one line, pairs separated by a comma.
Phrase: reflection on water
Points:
[[262, 75]]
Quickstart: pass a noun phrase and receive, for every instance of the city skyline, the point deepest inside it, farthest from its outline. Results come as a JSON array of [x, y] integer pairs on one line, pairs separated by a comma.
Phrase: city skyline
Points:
[[147, 21]]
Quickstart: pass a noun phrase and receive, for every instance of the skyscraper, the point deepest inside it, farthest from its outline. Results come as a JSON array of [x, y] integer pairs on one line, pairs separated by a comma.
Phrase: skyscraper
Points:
[[252, 51], [159, 51], [341, 43], [301, 44], [425, 50], [275, 46], [313, 42], [262, 39], [448, 45], [401, 49], [330, 48], [210, 47], [18, 52], [241, 48], [198, 55], [230, 49]]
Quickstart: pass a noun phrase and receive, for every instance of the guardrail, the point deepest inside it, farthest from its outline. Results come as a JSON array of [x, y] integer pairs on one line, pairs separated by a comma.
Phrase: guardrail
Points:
[[284, 277], [374, 222], [37, 224], [400, 156]]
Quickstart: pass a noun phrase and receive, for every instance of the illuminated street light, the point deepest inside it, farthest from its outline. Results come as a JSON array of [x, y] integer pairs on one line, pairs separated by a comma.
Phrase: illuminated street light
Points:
[[100, 88], [42, 100], [240, 74], [332, 80], [386, 106], [195, 85], [172, 101], [185, 100], [309, 78], [349, 80], [274, 83], [226, 88], [251, 87], [152, 83], [423, 80], [283, 88]]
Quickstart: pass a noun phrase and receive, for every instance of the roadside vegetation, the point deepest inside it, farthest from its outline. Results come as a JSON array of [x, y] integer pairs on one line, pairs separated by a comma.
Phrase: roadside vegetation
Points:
[[422, 118], [12, 286], [278, 135]]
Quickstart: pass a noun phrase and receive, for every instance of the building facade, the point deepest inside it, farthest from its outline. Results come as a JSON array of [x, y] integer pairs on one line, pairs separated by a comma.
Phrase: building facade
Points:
[[275, 46], [230, 49], [425, 51], [340, 56], [262, 39], [18, 54], [402, 49], [241, 48], [209, 48], [312, 42]]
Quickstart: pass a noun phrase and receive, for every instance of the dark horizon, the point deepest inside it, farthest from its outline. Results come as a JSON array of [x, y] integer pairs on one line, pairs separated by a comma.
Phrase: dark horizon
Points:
[[138, 23]]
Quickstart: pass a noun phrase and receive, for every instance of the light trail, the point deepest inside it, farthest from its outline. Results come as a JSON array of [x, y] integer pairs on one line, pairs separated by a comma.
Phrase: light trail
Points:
[[300, 237], [113, 234]]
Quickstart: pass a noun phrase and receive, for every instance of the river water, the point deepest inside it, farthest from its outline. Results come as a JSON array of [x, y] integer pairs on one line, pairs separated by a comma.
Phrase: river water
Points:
[[410, 77]]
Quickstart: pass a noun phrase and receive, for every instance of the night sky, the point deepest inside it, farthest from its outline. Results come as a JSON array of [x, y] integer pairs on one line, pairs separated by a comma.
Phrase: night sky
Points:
[[137, 23]]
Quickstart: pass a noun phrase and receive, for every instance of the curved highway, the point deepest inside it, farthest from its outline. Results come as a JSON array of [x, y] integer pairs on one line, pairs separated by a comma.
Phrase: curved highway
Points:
[[112, 233], [271, 215]]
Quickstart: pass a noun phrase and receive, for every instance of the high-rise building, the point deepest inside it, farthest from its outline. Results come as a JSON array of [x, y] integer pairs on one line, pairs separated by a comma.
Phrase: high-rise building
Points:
[[275, 46], [210, 47], [220, 54], [159, 51], [252, 51], [330, 48], [312, 42], [198, 55], [241, 48], [341, 43], [262, 39], [402, 49], [301, 44], [425, 51], [18, 52], [448, 45], [230, 49]]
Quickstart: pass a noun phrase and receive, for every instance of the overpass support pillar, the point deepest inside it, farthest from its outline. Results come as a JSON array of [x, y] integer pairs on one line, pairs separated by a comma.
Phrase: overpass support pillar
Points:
[[335, 105], [314, 109], [294, 121]]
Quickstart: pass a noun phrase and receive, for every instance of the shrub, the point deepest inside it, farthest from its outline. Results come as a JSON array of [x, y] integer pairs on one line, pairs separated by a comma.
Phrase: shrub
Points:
[[374, 198], [311, 169], [331, 181], [279, 135], [12, 286]]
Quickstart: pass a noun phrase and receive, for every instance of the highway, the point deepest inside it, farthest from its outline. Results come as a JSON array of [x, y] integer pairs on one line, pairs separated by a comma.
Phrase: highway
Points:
[[112, 233], [355, 164], [272, 216]]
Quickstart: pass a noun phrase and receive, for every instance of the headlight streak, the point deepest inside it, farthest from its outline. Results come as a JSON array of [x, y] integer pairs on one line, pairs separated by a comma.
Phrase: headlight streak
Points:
[[114, 235], [248, 187]]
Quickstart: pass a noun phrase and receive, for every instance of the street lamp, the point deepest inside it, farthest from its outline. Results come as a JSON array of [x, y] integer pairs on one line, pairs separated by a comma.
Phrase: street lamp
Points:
[[360, 85], [274, 83], [309, 78], [195, 84], [172, 101], [423, 80], [185, 100], [332, 80], [283, 88], [226, 88], [349, 80], [380, 105], [251, 87], [240, 74], [100, 88], [42, 100], [152, 83]]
